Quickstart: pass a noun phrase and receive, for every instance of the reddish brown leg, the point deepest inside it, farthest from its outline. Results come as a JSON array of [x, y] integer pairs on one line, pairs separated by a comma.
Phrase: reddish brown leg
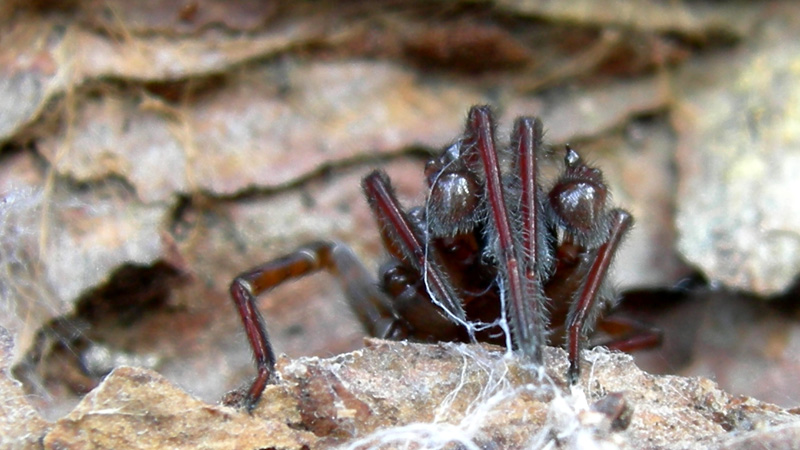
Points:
[[362, 292], [621, 221], [523, 312], [535, 254], [404, 241], [629, 335], [528, 135]]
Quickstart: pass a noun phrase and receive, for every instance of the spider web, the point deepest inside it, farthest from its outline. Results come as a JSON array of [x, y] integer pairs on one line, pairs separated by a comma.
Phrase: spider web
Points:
[[472, 327], [569, 423], [22, 294], [27, 299], [33, 307]]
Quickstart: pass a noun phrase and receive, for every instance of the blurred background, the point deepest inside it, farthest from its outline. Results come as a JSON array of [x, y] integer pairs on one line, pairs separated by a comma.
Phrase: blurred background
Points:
[[151, 151]]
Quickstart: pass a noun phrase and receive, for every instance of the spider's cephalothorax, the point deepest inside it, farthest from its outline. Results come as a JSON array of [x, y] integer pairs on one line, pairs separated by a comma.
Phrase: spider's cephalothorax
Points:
[[489, 247]]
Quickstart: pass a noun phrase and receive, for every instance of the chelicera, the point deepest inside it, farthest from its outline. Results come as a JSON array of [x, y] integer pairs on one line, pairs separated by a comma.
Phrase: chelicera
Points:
[[489, 248]]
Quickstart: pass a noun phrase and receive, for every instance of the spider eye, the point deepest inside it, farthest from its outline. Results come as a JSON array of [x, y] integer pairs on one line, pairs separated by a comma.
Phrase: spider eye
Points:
[[578, 204]]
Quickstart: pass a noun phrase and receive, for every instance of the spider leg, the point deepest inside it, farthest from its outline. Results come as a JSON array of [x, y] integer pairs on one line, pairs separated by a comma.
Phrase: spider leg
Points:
[[403, 240], [628, 334], [524, 313], [537, 251], [579, 314], [421, 319], [528, 137], [366, 300]]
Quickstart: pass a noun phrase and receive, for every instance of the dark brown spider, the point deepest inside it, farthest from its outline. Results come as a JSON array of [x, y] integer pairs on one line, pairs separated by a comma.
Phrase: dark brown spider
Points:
[[489, 248]]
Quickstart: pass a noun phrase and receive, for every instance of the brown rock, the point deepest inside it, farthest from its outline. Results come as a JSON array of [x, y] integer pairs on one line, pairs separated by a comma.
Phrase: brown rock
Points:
[[739, 155], [393, 394], [137, 408], [21, 427]]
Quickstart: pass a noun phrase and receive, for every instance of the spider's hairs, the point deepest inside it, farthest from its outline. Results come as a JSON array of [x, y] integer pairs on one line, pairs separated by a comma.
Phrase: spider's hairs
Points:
[[602, 228], [543, 260], [545, 240], [563, 424], [511, 188], [512, 185], [490, 236], [608, 295], [471, 327]]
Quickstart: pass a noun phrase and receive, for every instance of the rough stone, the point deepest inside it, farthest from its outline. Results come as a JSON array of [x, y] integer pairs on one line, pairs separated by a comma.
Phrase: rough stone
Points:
[[21, 427], [738, 156], [393, 394]]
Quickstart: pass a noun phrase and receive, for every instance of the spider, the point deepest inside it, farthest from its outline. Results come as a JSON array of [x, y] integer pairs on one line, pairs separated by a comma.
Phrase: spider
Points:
[[491, 256]]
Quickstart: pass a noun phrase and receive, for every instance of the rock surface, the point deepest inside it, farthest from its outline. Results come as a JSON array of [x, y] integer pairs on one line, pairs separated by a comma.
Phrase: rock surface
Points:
[[151, 151], [21, 427], [738, 121], [395, 394]]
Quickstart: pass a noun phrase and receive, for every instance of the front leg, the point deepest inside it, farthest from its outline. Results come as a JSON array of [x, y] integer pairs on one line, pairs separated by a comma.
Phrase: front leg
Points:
[[371, 306], [580, 315]]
